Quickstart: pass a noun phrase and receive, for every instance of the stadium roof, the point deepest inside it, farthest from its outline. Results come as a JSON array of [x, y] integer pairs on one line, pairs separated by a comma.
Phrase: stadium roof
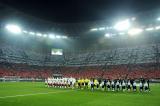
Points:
[[73, 11], [41, 16]]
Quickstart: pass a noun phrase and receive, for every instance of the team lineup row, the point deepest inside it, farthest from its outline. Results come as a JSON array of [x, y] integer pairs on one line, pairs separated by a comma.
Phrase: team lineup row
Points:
[[107, 85]]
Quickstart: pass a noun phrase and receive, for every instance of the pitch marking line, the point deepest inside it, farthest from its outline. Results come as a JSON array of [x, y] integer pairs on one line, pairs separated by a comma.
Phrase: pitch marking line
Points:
[[4, 97]]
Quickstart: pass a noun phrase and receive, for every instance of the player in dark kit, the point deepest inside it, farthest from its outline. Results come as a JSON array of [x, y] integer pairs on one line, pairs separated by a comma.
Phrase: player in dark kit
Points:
[[79, 83], [86, 83], [99, 81], [148, 85], [132, 81], [105, 84], [92, 84], [82, 83]]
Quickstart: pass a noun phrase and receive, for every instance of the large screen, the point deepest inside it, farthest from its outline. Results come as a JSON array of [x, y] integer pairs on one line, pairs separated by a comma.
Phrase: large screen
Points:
[[56, 51]]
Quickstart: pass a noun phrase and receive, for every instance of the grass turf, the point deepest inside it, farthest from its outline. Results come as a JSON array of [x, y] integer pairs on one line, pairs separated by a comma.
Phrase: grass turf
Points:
[[43, 96]]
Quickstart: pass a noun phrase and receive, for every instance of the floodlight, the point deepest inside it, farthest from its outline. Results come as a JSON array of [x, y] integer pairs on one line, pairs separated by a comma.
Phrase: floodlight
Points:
[[13, 28], [101, 28], [157, 27], [149, 29], [94, 29], [58, 36], [123, 25], [32, 33], [52, 36], [158, 19], [107, 35], [135, 31], [38, 34]]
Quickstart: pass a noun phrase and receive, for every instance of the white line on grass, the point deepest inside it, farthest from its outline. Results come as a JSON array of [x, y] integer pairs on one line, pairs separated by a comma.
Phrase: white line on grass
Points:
[[4, 97]]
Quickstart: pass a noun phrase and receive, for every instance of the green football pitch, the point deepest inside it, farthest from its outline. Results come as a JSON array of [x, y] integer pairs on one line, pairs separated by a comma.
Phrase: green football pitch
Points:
[[36, 94]]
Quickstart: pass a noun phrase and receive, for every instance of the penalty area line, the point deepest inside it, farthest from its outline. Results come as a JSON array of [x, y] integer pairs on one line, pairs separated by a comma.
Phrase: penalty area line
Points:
[[4, 97]]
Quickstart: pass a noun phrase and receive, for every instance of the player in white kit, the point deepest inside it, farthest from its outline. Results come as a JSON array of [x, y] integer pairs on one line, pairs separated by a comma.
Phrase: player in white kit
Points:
[[128, 85], [118, 85], [140, 86], [146, 86], [108, 85], [113, 85], [123, 86]]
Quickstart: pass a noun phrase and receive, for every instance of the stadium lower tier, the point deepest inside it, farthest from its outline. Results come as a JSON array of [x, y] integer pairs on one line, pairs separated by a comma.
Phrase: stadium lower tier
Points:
[[135, 71]]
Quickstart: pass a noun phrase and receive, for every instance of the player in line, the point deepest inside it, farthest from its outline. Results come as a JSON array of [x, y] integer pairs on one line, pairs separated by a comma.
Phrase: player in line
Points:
[[114, 85]]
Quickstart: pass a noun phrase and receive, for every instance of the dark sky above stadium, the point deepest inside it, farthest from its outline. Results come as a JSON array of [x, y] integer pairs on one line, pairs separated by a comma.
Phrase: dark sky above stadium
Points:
[[81, 10]]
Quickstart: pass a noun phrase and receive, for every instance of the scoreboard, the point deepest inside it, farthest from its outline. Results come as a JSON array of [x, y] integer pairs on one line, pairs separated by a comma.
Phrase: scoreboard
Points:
[[56, 51]]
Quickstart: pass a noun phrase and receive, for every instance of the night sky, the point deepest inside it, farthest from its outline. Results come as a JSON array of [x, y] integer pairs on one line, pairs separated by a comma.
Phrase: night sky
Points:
[[71, 11]]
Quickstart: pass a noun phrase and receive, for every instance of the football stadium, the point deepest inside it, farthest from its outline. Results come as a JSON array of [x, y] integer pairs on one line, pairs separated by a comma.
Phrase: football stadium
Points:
[[65, 53]]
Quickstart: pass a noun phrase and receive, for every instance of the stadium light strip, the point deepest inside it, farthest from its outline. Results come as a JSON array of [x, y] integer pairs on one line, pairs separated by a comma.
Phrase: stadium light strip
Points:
[[38, 34], [65, 37], [45, 35], [52, 36], [32, 33], [135, 31], [158, 19], [94, 29], [17, 30], [58, 36], [157, 27], [149, 29], [108, 35], [101, 28]]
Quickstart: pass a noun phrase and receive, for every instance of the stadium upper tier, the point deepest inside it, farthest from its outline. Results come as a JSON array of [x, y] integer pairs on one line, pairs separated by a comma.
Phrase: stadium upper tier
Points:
[[132, 55]]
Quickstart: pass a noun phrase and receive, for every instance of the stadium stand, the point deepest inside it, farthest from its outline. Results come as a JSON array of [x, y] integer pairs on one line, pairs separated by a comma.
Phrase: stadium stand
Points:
[[133, 62]]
